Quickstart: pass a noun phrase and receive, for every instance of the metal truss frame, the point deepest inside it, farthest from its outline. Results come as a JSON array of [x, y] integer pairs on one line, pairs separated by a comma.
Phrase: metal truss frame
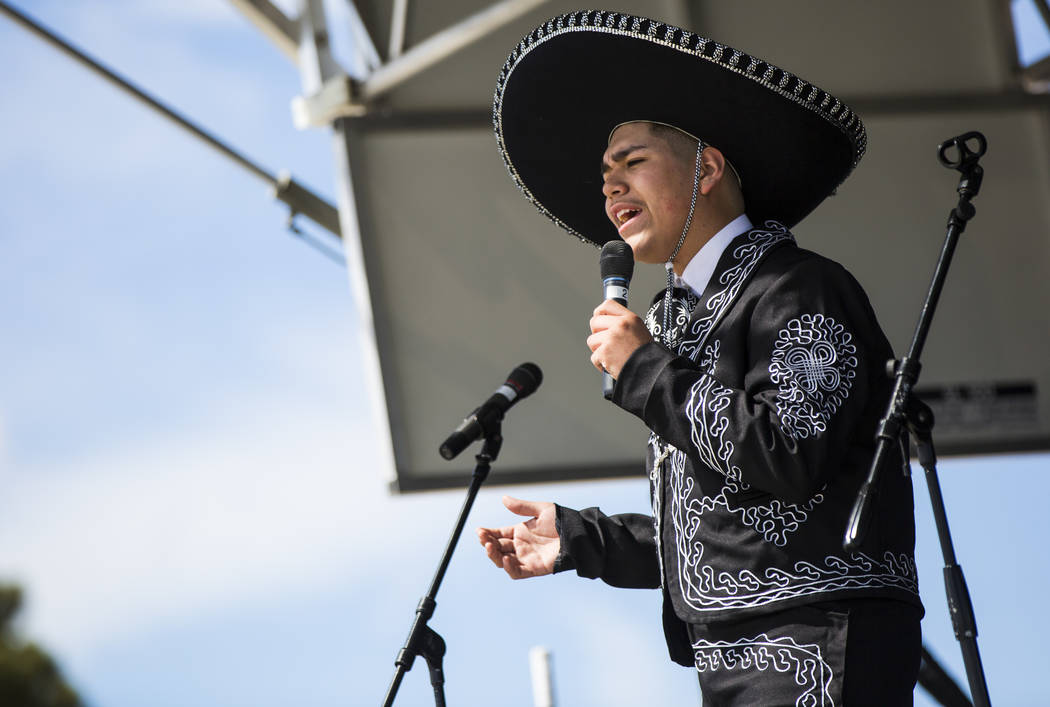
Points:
[[298, 198]]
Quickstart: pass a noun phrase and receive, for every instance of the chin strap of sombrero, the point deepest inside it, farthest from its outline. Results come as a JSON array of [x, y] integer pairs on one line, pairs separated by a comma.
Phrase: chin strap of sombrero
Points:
[[669, 265]]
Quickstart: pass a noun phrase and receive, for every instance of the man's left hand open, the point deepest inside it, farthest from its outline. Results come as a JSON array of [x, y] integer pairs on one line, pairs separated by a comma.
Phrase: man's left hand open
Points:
[[616, 333]]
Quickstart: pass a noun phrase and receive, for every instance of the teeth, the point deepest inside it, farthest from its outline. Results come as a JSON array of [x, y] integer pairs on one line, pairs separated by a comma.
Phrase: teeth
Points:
[[625, 215]]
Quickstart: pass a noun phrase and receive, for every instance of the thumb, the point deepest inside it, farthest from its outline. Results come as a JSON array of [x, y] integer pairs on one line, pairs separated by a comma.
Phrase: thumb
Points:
[[610, 306], [520, 507]]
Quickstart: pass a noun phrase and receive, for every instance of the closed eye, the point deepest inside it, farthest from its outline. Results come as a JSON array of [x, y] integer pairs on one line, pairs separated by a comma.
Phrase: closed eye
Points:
[[637, 160]]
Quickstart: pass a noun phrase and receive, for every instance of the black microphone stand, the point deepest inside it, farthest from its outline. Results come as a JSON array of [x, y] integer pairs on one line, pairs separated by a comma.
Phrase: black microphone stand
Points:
[[920, 424], [423, 640], [903, 409]]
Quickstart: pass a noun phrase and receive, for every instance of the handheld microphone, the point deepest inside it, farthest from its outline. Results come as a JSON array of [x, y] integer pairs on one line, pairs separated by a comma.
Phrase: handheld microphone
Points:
[[521, 383], [617, 266]]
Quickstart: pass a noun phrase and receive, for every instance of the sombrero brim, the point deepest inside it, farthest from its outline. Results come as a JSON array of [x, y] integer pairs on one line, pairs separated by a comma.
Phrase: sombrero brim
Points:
[[571, 80]]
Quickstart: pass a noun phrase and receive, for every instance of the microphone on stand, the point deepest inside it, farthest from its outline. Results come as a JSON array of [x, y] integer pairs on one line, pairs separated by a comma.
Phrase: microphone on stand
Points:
[[617, 266], [521, 383]]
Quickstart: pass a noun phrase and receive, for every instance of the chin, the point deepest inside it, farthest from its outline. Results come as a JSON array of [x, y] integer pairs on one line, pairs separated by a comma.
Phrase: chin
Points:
[[644, 252]]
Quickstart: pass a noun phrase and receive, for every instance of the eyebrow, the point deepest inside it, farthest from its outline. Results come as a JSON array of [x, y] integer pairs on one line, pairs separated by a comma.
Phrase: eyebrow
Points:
[[619, 156]]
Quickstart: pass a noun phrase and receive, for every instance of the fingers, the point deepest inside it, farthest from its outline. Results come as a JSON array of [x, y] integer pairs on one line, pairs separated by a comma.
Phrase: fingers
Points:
[[523, 550], [486, 535], [522, 508], [611, 306], [504, 545], [601, 322], [492, 551], [596, 361], [600, 345], [503, 556], [517, 569], [499, 546]]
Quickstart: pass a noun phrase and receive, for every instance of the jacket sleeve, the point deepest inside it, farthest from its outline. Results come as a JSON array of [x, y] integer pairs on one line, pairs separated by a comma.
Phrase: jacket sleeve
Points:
[[620, 549], [812, 347]]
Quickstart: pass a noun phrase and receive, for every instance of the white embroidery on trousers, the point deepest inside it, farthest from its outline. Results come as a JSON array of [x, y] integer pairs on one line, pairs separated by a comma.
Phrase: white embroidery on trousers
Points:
[[812, 673]]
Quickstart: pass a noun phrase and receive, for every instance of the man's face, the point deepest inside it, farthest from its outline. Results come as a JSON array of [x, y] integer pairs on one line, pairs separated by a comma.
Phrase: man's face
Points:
[[647, 187]]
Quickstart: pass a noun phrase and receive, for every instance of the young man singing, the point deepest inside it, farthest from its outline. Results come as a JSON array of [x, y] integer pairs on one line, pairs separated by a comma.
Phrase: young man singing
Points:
[[759, 371]]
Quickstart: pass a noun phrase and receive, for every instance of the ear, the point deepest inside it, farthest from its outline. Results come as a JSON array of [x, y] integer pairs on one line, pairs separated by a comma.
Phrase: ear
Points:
[[712, 169]]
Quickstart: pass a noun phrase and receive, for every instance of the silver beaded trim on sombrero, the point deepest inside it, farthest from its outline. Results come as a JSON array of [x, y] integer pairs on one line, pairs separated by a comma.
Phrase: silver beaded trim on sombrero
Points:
[[781, 82]]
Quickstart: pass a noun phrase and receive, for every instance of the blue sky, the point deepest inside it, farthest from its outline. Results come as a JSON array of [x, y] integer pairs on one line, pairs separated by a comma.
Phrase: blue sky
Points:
[[1033, 39], [188, 487]]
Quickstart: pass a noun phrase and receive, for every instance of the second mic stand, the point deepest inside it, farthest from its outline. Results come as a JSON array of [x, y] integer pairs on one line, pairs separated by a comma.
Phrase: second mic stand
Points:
[[920, 424], [423, 640], [904, 410]]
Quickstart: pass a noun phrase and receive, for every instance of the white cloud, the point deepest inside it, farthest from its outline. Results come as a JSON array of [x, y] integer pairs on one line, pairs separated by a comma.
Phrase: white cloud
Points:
[[640, 677], [272, 496]]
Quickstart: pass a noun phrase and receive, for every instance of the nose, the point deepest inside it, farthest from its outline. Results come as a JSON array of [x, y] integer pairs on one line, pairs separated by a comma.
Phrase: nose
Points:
[[612, 185]]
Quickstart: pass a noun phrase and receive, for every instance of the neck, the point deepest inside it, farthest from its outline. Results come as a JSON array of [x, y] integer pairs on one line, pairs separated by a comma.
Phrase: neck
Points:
[[699, 235]]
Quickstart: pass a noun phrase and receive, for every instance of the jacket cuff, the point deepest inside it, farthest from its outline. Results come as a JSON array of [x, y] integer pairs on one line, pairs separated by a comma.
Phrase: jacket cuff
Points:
[[569, 525], [639, 375]]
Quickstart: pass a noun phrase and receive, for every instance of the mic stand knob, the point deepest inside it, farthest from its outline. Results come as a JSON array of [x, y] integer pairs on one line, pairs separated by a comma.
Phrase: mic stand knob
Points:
[[432, 648], [493, 443]]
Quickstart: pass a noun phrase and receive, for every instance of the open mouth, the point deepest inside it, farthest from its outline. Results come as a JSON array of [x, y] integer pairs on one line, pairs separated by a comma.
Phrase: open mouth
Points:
[[625, 215]]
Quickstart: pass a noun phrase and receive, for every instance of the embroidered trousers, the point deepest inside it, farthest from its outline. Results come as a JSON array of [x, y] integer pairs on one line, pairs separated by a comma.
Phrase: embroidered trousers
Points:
[[857, 652]]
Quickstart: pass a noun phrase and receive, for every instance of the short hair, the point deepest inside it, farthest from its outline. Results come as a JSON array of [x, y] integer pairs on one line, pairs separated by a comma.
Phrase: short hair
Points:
[[684, 145]]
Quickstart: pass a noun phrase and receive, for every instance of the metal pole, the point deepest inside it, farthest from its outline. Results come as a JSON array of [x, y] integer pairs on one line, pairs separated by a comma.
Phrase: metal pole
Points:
[[366, 50], [423, 640], [316, 63], [273, 23], [314, 73], [432, 50], [296, 196], [126, 85], [398, 20], [540, 669]]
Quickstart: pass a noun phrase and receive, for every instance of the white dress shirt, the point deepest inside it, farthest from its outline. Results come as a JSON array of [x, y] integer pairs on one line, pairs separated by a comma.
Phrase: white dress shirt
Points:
[[698, 271]]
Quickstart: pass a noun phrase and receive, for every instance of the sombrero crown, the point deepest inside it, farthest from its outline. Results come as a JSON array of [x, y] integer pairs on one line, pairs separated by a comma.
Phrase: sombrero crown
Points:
[[570, 81]]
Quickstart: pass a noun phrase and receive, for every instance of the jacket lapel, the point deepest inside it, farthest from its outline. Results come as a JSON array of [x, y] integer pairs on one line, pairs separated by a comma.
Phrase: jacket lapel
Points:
[[735, 268]]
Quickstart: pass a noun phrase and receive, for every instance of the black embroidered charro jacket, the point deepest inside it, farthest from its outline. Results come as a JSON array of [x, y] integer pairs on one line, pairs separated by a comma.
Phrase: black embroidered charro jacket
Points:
[[762, 412]]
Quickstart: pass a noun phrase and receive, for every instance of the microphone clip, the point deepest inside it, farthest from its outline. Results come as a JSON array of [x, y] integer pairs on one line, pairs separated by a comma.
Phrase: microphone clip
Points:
[[493, 436], [490, 422]]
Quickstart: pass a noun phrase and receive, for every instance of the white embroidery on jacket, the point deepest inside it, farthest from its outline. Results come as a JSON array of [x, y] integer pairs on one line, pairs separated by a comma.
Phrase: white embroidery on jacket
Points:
[[812, 673], [706, 588], [707, 402], [683, 304], [747, 256], [659, 451], [814, 364]]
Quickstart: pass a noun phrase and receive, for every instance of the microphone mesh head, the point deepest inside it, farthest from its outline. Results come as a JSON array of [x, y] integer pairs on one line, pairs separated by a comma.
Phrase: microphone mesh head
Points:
[[617, 260], [526, 378]]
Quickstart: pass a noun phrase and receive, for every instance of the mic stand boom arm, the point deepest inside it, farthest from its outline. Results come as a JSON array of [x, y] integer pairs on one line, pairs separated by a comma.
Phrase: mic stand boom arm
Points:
[[903, 411], [423, 640]]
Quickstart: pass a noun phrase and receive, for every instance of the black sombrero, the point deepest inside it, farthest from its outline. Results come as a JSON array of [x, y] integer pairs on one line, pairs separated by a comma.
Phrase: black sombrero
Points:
[[570, 81]]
